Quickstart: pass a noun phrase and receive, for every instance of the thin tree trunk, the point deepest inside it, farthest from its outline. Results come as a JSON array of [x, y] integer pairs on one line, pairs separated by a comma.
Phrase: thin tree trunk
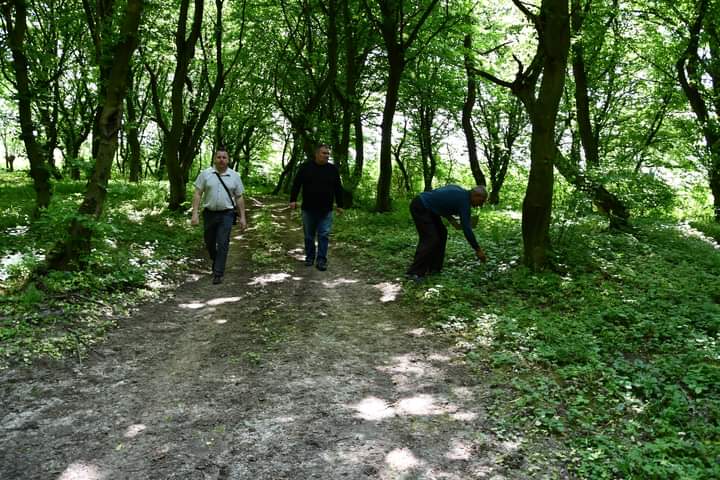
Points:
[[133, 133], [382, 203], [691, 73], [582, 97], [467, 113], [16, 28]]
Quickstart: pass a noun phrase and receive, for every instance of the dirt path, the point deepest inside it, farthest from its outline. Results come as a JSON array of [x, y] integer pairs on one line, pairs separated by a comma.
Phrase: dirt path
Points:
[[281, 374]]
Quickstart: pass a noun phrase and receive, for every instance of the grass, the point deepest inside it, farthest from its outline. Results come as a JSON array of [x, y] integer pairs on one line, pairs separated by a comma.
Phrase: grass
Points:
[[138, 249], [616, 353]]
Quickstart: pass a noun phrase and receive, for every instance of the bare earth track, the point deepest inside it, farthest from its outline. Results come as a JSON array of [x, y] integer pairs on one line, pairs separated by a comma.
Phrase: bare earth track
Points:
[[283, 373]]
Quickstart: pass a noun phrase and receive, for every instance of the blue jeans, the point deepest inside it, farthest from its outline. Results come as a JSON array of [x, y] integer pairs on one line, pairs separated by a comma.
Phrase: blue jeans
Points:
[[217, 226], [317, 224]]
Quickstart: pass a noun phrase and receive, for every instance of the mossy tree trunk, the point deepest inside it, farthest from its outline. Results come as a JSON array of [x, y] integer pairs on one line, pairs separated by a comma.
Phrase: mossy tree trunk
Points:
[[68, 254]]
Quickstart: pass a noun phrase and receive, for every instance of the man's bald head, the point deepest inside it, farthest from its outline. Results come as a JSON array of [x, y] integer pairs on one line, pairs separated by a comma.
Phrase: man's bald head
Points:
[[478, 195]]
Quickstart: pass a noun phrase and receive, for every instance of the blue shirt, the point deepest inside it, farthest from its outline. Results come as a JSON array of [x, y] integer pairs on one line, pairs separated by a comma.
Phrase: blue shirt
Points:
[[451, 200]]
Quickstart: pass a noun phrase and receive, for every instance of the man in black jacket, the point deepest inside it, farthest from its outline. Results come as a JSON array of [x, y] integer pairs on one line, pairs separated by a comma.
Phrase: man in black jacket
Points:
[[320, 184]]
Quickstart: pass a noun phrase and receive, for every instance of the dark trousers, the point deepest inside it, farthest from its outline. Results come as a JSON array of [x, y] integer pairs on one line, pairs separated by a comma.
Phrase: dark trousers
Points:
[[432, 238], [217, 226]]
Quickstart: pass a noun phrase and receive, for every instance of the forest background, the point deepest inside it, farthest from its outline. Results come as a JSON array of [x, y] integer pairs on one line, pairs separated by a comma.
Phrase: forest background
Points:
[[594, 124]]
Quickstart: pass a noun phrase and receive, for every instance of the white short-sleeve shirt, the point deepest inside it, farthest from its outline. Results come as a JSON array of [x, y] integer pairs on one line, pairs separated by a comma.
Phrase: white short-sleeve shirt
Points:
[[214, 195]]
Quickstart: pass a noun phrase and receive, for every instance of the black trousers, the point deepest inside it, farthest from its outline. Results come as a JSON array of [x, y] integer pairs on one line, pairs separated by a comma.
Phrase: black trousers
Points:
[[432, 238], [217, 226]]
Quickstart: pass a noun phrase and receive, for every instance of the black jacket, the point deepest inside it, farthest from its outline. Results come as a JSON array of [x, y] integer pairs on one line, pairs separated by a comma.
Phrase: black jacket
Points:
[[319, 185]]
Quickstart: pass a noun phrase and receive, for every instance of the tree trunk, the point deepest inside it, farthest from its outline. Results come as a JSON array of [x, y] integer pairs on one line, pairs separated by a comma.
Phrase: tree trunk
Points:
[[185, 52], [396, 66], [69, 253], [429, 160], [693, 71], [715, 185], [133, 133], [467, 114], [554, 44], [16, 28], [398, 36], [582, 98]]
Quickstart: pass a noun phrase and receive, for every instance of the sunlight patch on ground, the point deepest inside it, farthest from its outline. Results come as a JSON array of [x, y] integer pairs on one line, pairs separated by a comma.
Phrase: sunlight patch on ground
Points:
[[285, 419], [390, 291], [269, 278], [418, 332], [459, 451], [223, 300], [436, 357], [373, 409], [81, 471], [690, 232], [213, 303], [463, 392], [297, 253], [511, 445], [8, 261], [192, 306], [406, 365], [464, 416], [133, 430], [402, 459], [418, 405], [338, 282]]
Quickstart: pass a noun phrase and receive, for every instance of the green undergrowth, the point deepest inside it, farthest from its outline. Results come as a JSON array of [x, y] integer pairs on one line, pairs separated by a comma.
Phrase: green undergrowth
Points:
[[614, 353], [138, 249]]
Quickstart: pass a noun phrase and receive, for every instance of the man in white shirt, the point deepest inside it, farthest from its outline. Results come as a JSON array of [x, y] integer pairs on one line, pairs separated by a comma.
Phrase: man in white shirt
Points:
[[220, 205]]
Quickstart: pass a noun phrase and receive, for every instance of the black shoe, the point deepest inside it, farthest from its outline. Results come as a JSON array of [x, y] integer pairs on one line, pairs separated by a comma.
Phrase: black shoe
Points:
[[321, 265], [309, 262], [217, 279]]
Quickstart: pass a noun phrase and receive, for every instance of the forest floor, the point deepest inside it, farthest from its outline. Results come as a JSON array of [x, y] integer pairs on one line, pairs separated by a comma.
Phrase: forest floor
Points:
[[281, 372]]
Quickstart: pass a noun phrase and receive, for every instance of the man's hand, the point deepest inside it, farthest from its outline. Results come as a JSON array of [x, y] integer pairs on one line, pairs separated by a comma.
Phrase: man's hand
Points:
[[243, 223], [293, 205], [195, 220], [481, 255]]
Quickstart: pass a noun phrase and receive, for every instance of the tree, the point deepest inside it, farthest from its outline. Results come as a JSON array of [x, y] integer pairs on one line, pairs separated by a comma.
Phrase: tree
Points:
[[121, 45], [698, 71], [191, 100], [400, 29], [468, 105], [307, 67], [357, 42], [14, 14], [430, 98], [552, 25], [501, 120], [77, 113]]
